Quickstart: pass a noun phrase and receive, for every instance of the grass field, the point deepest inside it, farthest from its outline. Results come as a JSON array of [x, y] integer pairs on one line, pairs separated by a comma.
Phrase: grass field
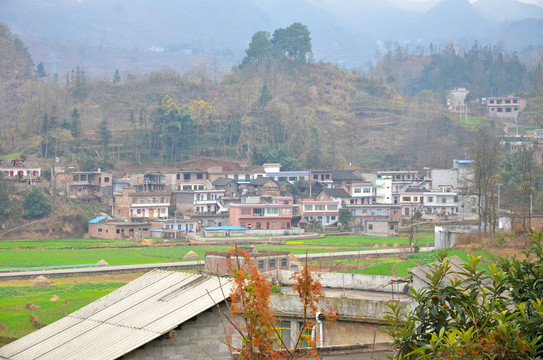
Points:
[[398, 267], [73, 292], [37, 253]]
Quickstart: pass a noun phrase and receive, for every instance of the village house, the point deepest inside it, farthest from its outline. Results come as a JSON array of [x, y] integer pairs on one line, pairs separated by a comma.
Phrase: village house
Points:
[[274, 216], [322, 176], [92, 185], [345, 178], [376, 219], [191, 180], [325, 212], [332, 194], [134, 204], [102, 228], [411, 201], [440, 203], [505, 106], [274, 172], [230, 187], [18, 171], [199, 201], [264, 186], [379, 192], [401, 180]]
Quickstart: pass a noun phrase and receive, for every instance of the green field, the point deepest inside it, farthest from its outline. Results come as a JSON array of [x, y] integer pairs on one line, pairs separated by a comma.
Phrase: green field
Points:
[[41, 253], [398, 267], [74, 293]]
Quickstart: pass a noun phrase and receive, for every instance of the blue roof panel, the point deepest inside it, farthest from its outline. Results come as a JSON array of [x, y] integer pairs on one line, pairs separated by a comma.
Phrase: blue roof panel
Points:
[[211, 228], [97, 219]]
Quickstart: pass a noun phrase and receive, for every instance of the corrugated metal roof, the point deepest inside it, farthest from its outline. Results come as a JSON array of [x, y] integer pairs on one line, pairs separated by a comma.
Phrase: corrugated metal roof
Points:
[[97, 219], [123, 320]]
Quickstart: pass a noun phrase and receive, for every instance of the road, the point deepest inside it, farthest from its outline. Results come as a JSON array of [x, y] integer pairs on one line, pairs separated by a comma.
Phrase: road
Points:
[[182, 265]]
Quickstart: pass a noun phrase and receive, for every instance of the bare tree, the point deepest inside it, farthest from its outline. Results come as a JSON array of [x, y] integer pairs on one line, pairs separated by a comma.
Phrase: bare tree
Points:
[[486, 152]]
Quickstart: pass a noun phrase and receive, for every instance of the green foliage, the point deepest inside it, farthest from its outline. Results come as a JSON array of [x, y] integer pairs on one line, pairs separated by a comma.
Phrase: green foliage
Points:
[[36, 204], [345, 216], [5, 207], [493, 314], [293, 42], [116, 77], [40, 70], [276, 289]]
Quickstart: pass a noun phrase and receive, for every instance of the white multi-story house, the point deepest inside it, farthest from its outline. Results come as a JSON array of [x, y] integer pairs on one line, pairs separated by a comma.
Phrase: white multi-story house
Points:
[[379, 192], [326, 212], [440, 203], [200, 201]]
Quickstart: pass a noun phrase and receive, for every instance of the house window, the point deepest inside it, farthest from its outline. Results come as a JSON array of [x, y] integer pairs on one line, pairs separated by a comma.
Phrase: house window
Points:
[[284, 262], [415, 198], [391, 226], [258, 212], [406, 198], [178, 176], [357, 190], [242, 224], [430, 199], [260, 264], [332, 207], [444, 200], [315, 177], [320, 207], [199, 176], [282, 178], [99, 230], [186, 176], [292, 178], [272, 263], [274, 225], [367, 190], [455, 199], [106, 179], [139, 211], [285, 211], [308, 207], [285, 202], [370, 227], [117, 231], [272, 212], [327, 176], [245, 211]]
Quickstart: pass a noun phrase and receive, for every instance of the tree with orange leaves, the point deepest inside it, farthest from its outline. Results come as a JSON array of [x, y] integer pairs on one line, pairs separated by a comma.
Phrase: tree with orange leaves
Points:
[[252, 318]]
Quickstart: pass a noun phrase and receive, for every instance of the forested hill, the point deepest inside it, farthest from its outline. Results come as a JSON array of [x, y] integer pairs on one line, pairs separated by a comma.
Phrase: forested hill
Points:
[[303, 115]]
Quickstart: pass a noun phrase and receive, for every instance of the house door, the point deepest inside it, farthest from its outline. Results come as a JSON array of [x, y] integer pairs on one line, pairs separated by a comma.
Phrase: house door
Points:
[[267, 225], [186, 228], [406, 211], [151, 212]]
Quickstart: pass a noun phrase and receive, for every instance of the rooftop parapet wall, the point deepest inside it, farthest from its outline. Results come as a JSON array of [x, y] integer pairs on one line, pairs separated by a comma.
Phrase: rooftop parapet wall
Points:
[[379, 283]]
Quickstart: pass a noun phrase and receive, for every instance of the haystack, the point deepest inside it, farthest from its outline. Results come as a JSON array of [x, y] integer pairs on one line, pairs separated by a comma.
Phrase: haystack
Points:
[[191, 255], [147, 242], [54, 298], [103, 262], [41, 281], [32, 307]]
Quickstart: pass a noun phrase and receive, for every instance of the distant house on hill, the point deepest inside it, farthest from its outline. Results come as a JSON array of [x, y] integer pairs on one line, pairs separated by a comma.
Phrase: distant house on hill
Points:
[[456, 99]]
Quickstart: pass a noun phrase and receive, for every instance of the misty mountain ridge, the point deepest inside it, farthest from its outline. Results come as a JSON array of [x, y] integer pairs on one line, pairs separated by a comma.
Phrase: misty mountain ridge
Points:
[[344, 32]]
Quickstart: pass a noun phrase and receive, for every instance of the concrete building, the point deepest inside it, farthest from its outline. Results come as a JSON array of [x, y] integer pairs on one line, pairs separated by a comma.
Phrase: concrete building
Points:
[[400, 181], [379, 192], [505, 106], [21, 172], [325, 212], [277, 215], [93, 185], [133, 204], [456, 99], [457, 178], [221, 263], [230, 187], [441, 203], [411, 201], [200, 201], [376, 219], [274, 172], [160, 315], [333, 194], [101, 228]]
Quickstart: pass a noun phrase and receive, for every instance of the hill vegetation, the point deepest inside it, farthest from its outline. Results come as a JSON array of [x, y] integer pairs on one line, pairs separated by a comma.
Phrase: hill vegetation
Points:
[[274, 108]]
